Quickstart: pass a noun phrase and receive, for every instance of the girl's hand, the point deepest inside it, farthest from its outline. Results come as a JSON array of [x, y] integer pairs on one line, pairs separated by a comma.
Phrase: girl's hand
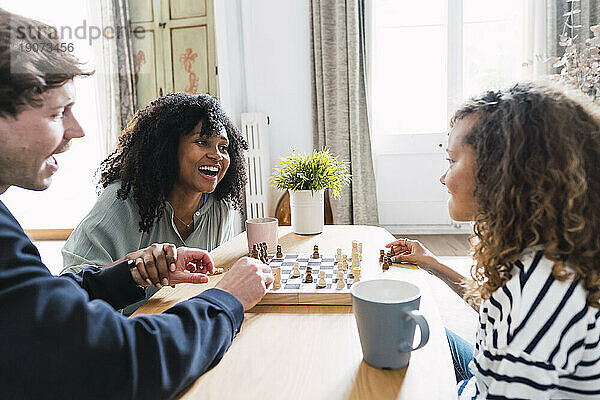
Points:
[[413, 252]]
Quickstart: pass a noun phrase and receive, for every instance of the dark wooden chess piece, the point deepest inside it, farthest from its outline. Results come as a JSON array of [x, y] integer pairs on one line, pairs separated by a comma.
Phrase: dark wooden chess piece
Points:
[[391, 253], [308, 278], [386, 263], [315, 252], [279, 254]]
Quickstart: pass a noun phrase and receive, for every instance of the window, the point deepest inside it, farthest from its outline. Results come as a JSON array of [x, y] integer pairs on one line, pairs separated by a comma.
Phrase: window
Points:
[[72, 192], [428, 55], [424, 58]]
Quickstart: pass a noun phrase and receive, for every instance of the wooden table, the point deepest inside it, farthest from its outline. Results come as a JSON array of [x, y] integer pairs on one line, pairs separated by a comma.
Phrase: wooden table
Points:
[[313, 352]]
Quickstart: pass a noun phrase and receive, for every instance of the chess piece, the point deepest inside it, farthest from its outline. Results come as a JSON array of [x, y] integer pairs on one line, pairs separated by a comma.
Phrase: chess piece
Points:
[[355, 260], [340, 281], [265, 254], [391, 251], [308, 277], [218, 270], [386, 263], [338, 255], [279, 254], [262, 252], [296, 272], [315, 252], [381, 254], [321, 283], [356, 274], [254, 251], [360, 251], [276, 278], [344, 264]]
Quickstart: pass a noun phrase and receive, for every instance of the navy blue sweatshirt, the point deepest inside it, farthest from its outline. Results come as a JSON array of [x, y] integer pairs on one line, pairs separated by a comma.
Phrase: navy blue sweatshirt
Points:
[[60, 337]]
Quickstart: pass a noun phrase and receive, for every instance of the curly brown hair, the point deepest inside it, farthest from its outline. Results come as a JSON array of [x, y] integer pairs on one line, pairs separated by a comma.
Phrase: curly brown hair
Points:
[[146, 160], [537, 181]]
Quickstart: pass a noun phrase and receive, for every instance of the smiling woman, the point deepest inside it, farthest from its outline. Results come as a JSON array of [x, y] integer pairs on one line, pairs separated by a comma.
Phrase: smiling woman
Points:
[[177, 175]]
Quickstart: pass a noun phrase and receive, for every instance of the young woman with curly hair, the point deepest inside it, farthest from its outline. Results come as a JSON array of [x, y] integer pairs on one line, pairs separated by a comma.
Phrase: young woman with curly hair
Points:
[[176, 176], [525, 167]]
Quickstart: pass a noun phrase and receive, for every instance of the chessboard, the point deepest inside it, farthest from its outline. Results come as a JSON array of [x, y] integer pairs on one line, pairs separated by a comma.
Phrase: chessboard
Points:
[[295, 291]]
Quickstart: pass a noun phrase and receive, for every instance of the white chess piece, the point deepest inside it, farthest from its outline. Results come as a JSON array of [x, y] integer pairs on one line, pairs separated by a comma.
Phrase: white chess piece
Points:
[[355, 260], [360, 251], [277, 278], [356, 273], [340, 281], [321, 283], [344, 264], [338, 255], [296, 272]]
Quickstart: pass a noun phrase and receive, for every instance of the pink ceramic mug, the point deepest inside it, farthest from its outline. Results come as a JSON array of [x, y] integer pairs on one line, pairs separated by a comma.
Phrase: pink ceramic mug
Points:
[[262, 230]]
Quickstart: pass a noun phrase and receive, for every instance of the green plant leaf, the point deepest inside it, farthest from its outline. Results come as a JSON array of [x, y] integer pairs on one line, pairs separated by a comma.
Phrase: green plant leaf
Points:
[[320, 170]]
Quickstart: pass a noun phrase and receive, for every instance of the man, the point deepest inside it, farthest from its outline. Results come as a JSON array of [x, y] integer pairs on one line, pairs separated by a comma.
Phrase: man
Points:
[[61, 337]]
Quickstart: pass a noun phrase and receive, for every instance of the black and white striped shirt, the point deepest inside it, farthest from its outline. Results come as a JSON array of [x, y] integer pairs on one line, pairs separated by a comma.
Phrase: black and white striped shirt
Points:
[[537, 338]]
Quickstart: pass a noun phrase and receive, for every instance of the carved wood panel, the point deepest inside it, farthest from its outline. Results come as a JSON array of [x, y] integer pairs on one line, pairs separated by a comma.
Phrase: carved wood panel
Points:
[[189, 53]]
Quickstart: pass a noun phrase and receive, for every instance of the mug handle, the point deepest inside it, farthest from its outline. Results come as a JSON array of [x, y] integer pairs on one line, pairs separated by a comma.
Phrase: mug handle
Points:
[[418, 317]]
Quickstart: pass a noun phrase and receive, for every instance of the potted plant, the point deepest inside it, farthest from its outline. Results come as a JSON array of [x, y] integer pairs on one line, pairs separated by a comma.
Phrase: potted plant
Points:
[[306, 177]]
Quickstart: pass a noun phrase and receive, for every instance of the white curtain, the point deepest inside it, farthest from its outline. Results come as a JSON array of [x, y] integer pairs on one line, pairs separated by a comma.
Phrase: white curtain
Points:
[[535, 35], [114, 67]]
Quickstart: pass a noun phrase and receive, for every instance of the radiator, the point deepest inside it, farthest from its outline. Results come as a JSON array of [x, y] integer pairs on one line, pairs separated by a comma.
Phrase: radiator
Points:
[[254, 129]]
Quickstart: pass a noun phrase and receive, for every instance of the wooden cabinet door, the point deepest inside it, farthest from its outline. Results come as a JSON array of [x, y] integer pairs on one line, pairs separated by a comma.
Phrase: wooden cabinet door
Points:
[[176, 51], [190, 47]]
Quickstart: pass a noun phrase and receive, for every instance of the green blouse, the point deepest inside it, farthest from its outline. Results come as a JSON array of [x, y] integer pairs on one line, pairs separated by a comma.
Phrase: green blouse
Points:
[[111, 230]]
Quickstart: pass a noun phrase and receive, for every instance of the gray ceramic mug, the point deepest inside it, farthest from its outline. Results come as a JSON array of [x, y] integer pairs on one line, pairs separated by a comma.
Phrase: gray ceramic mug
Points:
[[387, 312]]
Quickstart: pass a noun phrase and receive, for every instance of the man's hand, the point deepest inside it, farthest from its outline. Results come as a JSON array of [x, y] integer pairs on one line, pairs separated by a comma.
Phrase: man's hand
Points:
[[247, 280]]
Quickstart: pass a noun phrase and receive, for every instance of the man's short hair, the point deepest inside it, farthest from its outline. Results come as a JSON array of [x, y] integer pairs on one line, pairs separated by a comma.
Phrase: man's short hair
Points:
[[32, 61]]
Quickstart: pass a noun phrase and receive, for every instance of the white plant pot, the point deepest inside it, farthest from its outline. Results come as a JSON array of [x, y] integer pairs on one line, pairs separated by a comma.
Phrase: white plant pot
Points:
[[307, 208]]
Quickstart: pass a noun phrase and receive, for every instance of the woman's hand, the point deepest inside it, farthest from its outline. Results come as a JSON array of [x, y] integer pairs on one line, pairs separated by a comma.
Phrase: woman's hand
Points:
[[412, 251], [192, 266]]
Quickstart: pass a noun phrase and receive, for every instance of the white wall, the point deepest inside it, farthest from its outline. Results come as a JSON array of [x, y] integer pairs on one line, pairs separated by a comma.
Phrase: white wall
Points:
[[263, 56]]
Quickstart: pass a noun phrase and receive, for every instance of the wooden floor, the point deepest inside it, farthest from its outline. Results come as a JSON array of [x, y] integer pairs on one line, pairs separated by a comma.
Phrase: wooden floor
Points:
[[443, 245]]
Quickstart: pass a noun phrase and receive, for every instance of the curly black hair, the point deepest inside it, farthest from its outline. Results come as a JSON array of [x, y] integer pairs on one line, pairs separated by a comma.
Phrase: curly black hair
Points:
[[146, 160]]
